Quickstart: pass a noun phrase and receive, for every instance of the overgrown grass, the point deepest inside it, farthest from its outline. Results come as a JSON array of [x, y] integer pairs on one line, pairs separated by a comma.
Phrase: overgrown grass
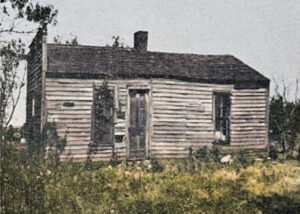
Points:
[[170, 186]]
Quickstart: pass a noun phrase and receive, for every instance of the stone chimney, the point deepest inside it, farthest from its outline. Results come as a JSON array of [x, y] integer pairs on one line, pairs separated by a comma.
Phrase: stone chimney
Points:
[[140, 40]]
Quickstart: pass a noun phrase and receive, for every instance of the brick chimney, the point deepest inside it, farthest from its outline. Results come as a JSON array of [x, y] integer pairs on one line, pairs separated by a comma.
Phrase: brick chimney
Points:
[[140, 40]]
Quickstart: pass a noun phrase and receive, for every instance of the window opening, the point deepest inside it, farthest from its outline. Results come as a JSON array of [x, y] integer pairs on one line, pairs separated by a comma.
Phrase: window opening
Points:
[[222, 116], [33, 107], [68, 104]]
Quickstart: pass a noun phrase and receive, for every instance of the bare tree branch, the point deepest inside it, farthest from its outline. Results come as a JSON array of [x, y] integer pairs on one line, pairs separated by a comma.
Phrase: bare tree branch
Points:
[[11, 30], [284, 116], [15, 102], [276, 86]]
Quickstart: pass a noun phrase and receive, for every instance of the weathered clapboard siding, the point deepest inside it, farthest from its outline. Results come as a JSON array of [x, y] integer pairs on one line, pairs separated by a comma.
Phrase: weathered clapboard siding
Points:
[[248, 117], [36, 65], [74, 123], [181, 116]]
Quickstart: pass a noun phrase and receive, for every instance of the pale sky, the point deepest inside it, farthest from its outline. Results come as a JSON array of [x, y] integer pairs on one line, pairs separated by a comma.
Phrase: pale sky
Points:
[[265, 34]]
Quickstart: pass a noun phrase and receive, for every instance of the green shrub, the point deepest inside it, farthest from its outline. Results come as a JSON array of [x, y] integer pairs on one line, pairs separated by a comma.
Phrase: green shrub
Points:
[[205, 154], [273, 153], [214, 154], [242, 159], [202, 154], [156, 166]]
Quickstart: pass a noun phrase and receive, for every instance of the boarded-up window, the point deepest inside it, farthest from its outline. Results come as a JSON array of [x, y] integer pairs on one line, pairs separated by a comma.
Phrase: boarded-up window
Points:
[[103, 117], [222, 116]]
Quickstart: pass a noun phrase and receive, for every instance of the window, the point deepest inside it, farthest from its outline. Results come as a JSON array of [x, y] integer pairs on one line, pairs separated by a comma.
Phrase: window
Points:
[[103, 118], [119, 138], [68, 104], [222, 116], [33, 107]]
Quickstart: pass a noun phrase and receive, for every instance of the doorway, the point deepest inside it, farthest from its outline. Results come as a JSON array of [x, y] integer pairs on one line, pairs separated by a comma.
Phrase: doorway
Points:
[[138, 123]]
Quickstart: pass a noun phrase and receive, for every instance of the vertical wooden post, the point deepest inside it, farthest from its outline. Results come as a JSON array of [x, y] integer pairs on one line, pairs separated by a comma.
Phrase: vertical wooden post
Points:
[[127, 123], [44, 70], [149, 128], [113, 121], [93, 115], [267, 120]]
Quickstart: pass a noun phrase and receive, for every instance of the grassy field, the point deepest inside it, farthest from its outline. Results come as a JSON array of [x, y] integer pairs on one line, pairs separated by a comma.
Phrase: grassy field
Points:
[[183, 187], [172, 186]]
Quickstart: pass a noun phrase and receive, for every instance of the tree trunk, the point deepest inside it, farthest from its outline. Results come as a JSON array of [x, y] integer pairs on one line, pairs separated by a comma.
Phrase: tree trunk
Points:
[[283, 141]]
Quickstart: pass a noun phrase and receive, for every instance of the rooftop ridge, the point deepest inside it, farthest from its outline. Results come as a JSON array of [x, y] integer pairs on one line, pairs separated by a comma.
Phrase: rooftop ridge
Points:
[[133, 50]]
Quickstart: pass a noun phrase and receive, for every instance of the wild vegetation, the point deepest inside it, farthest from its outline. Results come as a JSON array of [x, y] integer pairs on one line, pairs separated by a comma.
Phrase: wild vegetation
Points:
[[32, 184], [284, 124]]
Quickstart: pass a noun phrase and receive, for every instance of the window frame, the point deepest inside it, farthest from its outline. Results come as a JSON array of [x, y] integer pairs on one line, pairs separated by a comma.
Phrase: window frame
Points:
[[223, 93], [96, 125]]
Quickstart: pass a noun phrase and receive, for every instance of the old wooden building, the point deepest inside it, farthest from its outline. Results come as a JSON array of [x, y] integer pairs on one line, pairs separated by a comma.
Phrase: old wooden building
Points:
[[130, 103]]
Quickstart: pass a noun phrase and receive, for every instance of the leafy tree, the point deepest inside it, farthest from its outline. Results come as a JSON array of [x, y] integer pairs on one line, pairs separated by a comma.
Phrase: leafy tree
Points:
[[117, 43], [18, 19], [13, 134], [285, 120], [73, 41]]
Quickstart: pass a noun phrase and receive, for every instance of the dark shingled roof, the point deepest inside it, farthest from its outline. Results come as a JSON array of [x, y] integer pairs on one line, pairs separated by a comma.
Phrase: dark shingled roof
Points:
[[82, 61]]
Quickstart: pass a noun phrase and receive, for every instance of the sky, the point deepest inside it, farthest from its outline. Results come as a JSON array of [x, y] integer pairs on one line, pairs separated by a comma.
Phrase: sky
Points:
[[264, 34]]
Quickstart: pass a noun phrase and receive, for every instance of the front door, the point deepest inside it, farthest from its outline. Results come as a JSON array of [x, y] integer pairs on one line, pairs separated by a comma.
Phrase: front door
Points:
[[138, 123]]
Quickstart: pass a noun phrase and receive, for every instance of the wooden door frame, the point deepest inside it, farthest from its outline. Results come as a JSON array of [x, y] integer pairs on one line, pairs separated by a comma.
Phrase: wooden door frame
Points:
[[148, 125]]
